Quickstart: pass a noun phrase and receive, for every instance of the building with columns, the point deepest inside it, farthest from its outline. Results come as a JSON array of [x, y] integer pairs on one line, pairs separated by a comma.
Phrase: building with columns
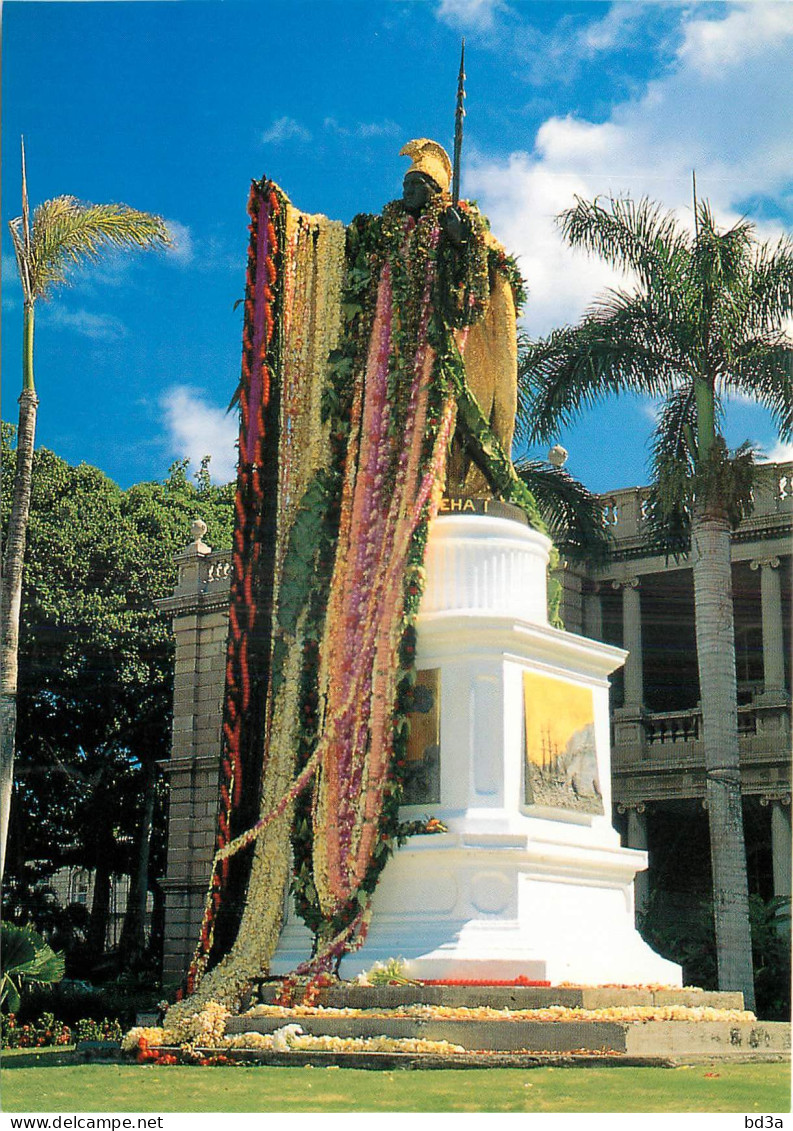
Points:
[[645, 602], [636, 599]]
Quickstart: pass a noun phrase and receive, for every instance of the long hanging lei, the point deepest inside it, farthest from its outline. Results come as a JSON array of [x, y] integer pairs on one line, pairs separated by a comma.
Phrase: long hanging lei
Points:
[[250, 613], [346, 565], [397, 415]]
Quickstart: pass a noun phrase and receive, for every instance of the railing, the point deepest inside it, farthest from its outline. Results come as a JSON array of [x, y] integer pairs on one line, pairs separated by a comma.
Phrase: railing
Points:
[[219, 568], [663, 727], [201, 572], [669, 727], [624, 511]]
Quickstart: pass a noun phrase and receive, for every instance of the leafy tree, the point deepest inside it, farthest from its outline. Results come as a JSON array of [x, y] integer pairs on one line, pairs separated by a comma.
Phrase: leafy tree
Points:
[[704, 319], [96, 674], [64, 232]]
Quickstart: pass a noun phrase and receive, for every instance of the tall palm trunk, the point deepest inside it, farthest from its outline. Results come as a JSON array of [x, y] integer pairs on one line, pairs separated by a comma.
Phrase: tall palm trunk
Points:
[[13, 562], [710, 551]]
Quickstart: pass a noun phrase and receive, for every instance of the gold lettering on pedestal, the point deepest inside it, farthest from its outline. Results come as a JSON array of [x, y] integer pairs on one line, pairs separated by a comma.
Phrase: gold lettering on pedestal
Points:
[[464, 504]]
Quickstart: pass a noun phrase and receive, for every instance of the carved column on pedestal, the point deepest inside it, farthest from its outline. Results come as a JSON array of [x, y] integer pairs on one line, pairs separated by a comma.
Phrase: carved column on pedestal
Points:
[[773, 643], [199, 611], [637, 838], [780, 841], [632, 640]]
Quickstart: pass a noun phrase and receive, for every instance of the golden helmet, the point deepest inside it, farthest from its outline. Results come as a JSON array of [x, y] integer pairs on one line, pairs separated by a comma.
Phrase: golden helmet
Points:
[[430, 158]]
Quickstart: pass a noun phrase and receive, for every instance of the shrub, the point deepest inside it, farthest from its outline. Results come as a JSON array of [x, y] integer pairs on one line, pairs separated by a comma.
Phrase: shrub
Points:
[[691, 942], [44, 1033]]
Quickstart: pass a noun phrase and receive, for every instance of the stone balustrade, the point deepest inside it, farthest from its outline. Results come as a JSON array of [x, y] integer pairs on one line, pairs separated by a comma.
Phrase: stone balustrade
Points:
[[624, 511]]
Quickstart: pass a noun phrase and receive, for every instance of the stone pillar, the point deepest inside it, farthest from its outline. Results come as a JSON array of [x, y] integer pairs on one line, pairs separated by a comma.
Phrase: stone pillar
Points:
[[637, 838], [781, 843], [781, 847], [199, 608], [632, 640], [593, 613], [773, 644]]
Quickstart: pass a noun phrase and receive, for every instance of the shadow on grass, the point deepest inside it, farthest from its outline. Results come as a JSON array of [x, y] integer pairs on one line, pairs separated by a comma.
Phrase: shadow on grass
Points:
[[36, 1058]]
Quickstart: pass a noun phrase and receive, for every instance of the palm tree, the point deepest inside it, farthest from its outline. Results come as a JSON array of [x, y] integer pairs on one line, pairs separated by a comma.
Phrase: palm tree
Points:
[[704, 319], [64, 232], [574, 515], [28, 960]]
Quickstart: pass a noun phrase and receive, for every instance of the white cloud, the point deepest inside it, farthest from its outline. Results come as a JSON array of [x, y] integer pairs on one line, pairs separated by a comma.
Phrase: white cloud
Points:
[[386, 128], [181, 250], [746, 32], [726, 116], [10, 270], [202, 252], [651, 410], [521, 199], [98, 327], [475, 14], [780, 452], [377, 129], [197, 429], [12, 287], [285, 129], [611, 31]]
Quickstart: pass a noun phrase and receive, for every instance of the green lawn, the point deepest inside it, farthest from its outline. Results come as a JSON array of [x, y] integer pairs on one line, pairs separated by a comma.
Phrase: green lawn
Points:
[[53, 1081]]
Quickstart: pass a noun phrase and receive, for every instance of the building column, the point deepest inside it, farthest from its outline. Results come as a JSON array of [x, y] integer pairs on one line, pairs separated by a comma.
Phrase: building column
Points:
[[593, 613], [632, 640], [637, 838], [781, 842], [773, 643]]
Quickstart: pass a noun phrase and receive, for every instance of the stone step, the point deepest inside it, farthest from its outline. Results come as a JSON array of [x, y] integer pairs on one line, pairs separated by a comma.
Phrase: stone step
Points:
[[388, 1061], [632, 1038], [353, 996]]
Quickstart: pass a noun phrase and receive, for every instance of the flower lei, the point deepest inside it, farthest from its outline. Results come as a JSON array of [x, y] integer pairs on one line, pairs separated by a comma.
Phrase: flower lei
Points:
[[362, 431], [250, 615]]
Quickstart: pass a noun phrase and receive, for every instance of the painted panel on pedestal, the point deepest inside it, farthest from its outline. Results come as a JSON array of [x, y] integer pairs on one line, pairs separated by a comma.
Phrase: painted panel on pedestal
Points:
[[423, 777], [561, 769]]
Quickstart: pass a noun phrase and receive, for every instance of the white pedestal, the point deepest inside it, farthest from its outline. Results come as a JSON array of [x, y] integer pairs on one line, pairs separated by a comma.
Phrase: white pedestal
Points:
[[513, 888]]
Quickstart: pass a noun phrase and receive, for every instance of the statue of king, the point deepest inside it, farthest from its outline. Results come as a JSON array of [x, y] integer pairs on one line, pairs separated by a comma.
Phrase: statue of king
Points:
[[379, 369]]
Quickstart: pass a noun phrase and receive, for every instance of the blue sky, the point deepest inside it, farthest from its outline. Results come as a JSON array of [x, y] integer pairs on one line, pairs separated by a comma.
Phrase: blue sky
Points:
[[173, 107]]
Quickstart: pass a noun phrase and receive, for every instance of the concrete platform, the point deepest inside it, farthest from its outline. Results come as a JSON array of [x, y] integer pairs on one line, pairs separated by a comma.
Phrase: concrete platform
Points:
[[353, 996], [653, 1039], [389, 1061]]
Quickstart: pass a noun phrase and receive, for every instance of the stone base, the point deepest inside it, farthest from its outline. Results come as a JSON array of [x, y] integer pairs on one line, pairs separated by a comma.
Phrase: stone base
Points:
[[501, 907], [530, 879], [602, 1034], [682, 1039]]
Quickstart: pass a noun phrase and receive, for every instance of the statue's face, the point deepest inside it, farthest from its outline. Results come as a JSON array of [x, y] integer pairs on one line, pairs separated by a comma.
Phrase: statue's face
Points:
[[417, 191]]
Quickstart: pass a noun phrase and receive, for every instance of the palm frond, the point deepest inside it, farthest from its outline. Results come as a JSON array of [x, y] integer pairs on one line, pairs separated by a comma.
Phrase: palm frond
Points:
[[720, 266], [18, 239], [617, 349], [673, 459], [763, 368], [637, 236], [674, 439], [721, 258], [66, 231], [769, 287], [573, 514]]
